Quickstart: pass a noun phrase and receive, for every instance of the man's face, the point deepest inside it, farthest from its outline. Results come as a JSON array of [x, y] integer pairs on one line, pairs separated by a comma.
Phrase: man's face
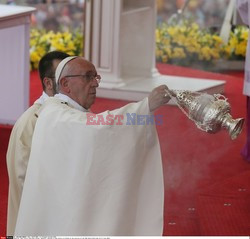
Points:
[[49, 81], [83, 90]]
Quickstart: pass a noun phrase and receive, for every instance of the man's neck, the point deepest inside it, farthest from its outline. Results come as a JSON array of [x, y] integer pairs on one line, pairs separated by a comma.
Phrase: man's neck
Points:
[[42, 98], [70, 101]]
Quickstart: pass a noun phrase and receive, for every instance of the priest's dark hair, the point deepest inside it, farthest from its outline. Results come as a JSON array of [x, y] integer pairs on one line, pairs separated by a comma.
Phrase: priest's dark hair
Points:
[[46, 68]]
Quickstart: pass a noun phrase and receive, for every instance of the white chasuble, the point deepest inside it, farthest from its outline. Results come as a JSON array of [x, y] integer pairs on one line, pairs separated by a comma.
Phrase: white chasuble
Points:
[[85, 178], [17, 159], [244, 11]]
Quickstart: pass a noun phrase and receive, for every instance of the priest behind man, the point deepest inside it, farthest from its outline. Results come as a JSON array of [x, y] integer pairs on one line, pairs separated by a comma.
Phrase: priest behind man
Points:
[[21, 136], [93, 178]]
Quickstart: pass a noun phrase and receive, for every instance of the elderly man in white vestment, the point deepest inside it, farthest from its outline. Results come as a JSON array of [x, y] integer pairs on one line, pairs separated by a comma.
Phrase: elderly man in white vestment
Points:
[[244, 11], [21, 136], [93, 174]]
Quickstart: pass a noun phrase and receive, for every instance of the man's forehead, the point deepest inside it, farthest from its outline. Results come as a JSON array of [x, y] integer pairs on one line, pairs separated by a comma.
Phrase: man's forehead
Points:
[[61, 67], [81, 61], [82, 65]]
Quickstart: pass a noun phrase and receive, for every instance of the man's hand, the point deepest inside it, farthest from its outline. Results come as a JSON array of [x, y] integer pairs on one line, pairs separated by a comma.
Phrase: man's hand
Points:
[[158, 97]]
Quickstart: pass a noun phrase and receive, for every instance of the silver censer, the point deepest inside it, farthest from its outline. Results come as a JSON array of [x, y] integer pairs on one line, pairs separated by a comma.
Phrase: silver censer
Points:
[[211, 113]]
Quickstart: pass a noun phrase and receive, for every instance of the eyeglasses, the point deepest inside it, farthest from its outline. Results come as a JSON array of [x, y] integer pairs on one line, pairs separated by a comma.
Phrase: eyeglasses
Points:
[[88, 78]]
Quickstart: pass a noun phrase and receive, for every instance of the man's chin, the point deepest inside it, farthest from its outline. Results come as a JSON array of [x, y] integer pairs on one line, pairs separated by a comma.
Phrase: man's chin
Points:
[[91, 102]]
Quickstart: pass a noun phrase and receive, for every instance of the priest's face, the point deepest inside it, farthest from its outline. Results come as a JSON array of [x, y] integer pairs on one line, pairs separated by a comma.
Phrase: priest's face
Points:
[[82, 83]]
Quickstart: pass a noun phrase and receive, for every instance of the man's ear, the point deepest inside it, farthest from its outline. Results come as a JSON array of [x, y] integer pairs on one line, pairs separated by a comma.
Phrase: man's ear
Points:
[[64, 85], [48, 83]]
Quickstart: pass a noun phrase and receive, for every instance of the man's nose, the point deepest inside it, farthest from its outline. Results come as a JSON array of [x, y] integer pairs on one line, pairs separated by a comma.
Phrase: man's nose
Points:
[[95, 82]]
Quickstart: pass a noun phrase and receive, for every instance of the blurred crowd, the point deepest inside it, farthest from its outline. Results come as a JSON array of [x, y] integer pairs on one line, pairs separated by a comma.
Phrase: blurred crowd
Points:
[[56, 15], [207, 13], [69, 14]]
